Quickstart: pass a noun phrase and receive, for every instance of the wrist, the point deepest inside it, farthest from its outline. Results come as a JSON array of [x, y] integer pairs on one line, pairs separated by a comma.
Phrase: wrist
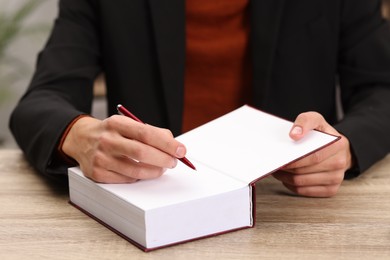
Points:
[[77, 131]]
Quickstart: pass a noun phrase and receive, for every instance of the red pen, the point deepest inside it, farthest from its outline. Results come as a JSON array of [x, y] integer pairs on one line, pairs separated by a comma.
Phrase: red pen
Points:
[[121, 109]]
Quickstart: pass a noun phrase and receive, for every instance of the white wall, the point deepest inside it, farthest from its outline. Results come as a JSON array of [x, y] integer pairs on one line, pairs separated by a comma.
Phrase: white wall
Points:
[[25, 49]]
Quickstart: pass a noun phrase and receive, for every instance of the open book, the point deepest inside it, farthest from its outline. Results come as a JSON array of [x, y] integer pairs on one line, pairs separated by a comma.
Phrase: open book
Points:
[[230, 153]]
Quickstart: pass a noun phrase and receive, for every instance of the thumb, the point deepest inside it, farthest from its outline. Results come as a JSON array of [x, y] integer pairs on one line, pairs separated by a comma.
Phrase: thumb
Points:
[[306, 122]]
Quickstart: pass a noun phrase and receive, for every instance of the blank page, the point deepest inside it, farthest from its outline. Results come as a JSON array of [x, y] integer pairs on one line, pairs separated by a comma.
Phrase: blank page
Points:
[[248, 144]]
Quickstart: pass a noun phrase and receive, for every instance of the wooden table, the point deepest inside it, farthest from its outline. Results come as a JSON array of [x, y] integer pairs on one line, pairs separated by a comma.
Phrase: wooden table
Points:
[[36, 222]]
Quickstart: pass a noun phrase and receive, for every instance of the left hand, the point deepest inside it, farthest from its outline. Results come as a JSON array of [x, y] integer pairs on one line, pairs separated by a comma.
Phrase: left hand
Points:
[[321, 173]]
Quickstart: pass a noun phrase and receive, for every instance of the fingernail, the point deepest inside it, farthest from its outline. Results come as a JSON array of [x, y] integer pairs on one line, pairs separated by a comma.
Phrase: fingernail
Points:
[[174, 163], [180, 152], [297, 130]]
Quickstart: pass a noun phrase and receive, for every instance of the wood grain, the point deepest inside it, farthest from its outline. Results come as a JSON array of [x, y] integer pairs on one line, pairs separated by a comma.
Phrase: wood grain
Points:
[[36, 222]]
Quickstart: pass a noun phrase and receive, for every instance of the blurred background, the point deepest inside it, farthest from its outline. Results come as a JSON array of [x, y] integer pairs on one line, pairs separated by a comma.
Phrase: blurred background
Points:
[[24, 28]]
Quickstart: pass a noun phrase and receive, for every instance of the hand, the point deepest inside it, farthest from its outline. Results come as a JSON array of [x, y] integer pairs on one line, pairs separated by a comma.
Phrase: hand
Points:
[[120, 150], [321, 173]]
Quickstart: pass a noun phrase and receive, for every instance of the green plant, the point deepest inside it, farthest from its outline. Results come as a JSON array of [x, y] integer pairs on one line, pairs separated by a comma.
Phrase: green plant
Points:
[[12, 26]]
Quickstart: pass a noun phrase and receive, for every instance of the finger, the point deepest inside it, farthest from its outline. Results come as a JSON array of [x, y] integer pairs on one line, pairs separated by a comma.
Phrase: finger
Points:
[[334, 156], [118, 146], [148, 154], [332, 163], [309, 121], [161, 139], [313, 179], [122, 170], [137, 170], [314, 191], [105, 176]]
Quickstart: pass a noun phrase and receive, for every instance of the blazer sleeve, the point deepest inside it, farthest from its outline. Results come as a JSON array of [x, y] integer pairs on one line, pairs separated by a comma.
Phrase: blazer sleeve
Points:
[[62, 86], [364, 70]]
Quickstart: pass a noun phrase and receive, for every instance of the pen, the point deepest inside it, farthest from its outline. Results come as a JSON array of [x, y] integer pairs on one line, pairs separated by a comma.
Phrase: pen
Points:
[[121, 109]]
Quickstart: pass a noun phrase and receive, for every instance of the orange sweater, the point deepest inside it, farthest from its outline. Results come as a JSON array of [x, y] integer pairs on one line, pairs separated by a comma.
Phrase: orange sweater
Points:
[[217, 73]]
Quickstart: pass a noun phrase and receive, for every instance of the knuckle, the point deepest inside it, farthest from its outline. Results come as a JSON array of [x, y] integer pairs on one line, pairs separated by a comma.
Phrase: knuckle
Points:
[[301, 118], [104, 141], [305, 116], [316, 157], [98, 160], [98, 175], [314, 114], [136, 173], [339, 163], [158, 172], [301, 191], [167, 137], [111, 122], [138, 153], [169, 144], [338, 178], [331, 190], [167, 133], [299, 181], [341, 145], [343, 142], [148, 135], [140, 173], [144, 134]]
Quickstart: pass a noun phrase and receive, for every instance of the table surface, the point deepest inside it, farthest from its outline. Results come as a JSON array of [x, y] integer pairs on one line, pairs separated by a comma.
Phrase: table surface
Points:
[[37, 222]]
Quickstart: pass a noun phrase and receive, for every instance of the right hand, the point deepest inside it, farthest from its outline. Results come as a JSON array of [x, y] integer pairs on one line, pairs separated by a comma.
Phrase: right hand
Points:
[[121, 150]]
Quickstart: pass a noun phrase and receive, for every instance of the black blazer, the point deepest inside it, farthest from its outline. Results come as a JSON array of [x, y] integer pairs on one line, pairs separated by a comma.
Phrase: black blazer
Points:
[[300, 51]]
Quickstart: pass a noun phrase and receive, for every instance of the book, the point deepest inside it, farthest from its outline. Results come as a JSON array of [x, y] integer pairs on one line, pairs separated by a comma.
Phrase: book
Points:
[[231, 153]]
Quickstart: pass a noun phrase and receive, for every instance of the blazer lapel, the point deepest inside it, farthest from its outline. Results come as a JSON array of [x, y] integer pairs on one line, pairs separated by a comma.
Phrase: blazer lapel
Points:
[[168, 20], [265, 21]]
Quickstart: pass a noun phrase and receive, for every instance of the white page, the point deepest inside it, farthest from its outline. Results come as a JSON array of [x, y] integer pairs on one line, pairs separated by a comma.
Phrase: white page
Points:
[[247, 144]]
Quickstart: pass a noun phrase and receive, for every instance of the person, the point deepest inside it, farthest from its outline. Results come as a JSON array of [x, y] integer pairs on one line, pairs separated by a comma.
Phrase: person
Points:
[[177, 64]]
